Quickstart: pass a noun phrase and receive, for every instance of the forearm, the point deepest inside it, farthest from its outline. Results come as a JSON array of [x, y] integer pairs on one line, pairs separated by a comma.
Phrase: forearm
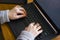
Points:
[[4, 16], [25, 36]]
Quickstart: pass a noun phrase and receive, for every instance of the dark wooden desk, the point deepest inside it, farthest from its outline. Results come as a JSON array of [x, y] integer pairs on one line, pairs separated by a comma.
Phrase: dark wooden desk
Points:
[[5, 28]]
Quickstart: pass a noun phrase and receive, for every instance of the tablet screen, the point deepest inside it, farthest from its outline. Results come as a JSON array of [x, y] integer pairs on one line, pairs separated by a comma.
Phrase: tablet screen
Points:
[[52, 9]]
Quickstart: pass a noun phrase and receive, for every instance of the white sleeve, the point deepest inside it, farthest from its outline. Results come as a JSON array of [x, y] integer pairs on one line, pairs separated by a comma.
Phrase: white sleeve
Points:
[[25, 36], [4, 16]]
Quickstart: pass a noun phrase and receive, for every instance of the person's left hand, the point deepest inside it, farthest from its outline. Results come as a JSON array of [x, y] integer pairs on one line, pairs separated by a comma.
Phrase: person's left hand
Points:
[[16, 13]]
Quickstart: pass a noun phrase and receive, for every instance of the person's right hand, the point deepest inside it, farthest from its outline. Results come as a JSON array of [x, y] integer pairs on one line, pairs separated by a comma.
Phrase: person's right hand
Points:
[[35, 29]]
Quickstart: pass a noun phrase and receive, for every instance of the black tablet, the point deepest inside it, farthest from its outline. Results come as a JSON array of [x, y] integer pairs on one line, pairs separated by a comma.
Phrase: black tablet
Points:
[[51, 9]]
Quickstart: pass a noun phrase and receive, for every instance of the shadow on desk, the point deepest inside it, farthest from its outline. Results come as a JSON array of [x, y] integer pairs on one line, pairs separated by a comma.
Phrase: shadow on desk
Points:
[[1, 35], [7, 32], [4, 27]]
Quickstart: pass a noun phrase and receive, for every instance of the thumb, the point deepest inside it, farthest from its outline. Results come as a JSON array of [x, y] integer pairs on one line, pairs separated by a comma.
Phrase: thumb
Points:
[[20, 16]]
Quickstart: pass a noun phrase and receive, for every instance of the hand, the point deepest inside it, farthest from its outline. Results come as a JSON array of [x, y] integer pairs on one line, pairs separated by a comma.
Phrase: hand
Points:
[[16, 13], [35, 29]]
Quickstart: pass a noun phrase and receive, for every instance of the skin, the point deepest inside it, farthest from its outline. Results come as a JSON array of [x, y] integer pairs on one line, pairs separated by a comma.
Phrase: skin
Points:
[[35, 29], [13, 13]]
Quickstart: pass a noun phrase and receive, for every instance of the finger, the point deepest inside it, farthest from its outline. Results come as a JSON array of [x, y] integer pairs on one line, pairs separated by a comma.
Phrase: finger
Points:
[[36, 25], [32, 24], [40, 31], [20, 9], [38, 28], [19, 16], [21, 12]]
